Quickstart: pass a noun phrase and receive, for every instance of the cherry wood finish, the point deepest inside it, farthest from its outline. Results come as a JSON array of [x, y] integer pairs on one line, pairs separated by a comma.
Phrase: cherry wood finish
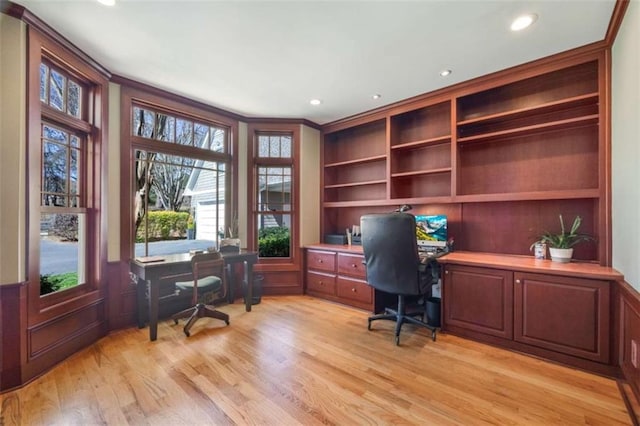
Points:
[[478, 299], [336, 273], [628, 303], [557, 311], [563, 314], [527, 142]]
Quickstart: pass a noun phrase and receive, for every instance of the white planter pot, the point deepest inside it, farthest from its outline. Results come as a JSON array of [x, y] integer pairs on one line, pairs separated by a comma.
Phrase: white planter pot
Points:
[[561, 255]]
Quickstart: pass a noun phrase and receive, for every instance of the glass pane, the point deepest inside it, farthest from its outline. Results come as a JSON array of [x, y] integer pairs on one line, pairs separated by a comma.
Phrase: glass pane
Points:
[[75, 141], [44, 78], [54, 134], [73, 99], [143, 121], [184, 208], [274, 147], [263, 146], [57, 84], [200, 135], [62, 263], [184, 132], [274, 235], [54, 168], [73, 172], [285, 147], [165, 125], [218, 139]]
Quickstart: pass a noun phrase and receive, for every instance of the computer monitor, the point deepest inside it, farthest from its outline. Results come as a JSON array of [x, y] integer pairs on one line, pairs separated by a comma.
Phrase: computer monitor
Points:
[[431, 231]]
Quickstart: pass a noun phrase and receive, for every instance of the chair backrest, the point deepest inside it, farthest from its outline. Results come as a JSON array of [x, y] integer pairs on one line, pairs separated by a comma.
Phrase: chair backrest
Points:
[[208, 264], [391, 252]]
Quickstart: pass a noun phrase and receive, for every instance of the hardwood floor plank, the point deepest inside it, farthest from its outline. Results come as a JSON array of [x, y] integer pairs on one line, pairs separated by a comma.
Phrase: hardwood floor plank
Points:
[[297, 360]]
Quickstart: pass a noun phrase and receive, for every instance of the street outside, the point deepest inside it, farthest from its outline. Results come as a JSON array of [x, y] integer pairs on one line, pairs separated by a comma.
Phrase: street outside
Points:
[[59, 257]]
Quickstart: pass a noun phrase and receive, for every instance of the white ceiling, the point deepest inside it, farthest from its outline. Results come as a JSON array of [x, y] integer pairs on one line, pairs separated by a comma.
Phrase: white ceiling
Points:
[[269, 58]]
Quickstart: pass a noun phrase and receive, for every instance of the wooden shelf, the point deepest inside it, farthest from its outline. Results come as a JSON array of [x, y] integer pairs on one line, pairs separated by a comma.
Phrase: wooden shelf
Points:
[[357, 161], [588, 99], [534, 129], [573, 194], [421, 172], [346, 185], [424, 142]]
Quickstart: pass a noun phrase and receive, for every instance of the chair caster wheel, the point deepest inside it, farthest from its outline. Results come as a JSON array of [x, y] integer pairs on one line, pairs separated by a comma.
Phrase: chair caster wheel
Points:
[[175, 321], [433, 336], [227, 321], [397, 340], [187, 333], [369, 326]]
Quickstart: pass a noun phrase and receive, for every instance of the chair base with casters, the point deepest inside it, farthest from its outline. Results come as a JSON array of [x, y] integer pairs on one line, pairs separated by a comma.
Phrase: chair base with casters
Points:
[[401, 316], [208, 280], [196, 312]]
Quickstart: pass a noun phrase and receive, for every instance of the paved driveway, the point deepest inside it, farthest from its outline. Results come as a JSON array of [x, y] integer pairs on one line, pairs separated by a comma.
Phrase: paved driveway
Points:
[[59, 257]]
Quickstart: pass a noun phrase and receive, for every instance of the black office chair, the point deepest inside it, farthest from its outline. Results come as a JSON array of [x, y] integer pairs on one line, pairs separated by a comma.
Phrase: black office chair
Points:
[[393, 265], [208, 280]]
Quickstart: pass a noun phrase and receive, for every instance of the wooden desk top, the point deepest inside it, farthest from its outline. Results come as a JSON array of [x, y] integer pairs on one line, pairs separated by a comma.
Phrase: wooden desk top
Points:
[[353, 249], [530, 264]]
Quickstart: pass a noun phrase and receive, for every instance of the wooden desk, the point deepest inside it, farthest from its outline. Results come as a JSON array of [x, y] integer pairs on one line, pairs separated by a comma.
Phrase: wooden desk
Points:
[[175, 267]]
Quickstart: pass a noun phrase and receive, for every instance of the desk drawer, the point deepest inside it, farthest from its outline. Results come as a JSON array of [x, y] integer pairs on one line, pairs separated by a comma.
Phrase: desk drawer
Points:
[[321, 283], [355, 290], [351, 264], [321, 260]]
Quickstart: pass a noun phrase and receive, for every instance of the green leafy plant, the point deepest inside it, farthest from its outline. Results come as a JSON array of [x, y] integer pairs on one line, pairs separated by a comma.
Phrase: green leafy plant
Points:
[[564, 239], [273, 242]]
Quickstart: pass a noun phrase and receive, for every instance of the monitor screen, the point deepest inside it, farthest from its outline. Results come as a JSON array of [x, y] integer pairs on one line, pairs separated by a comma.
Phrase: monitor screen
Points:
[[431, 231]]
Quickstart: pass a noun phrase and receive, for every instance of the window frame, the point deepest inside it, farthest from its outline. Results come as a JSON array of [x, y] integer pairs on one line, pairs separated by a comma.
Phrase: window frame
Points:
[[158, 101], [92, 124], [265, 128]]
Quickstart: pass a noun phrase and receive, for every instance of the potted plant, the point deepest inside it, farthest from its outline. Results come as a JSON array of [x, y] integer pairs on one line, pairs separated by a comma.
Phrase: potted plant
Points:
[[561, 244]]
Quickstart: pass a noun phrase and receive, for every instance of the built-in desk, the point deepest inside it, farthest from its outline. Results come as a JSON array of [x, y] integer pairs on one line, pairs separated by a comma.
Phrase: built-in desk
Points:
[[150, 272], [559, 311]]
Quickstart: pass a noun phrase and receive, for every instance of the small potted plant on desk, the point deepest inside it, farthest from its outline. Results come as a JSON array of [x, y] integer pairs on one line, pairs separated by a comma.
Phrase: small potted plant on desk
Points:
[[561, 245]]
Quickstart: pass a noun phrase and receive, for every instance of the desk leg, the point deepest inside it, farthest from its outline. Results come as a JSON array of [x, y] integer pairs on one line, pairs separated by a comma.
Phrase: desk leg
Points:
[[248, 278], [154, 300]]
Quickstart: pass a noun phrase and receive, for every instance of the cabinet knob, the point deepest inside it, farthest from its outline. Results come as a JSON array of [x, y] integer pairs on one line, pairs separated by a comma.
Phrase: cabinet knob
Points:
[[319, 260], [321, 283], [353, 290], [354, 265], [446, 272], [517, 281]]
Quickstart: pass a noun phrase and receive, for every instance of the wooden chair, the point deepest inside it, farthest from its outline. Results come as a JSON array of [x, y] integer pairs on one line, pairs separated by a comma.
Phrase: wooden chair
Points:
[[208, 280]]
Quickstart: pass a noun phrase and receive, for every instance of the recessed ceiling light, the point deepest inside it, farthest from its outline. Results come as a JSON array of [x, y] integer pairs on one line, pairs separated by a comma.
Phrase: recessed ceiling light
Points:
[[315, 101], [376, 96], [107, 2], [445, 73], [523, 21]]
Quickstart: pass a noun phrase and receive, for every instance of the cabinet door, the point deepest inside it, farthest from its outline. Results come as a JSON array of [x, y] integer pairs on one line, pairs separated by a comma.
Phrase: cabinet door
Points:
[[568, 315], [479, 300]]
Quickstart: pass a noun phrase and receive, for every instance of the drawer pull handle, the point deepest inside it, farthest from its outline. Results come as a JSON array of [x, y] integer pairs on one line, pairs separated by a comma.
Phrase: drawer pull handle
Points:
[[353, 290], [321, 283], [319, 260], [354, 265]]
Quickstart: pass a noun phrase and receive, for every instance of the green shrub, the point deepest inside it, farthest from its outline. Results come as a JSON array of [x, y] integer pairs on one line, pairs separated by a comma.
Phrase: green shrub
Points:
[[163, 225], [273, 242], [51, 283]]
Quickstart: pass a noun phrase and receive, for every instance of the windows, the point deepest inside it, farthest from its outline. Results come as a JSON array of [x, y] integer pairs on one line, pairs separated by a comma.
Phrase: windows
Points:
[[67, 106], [181, 185], [274, 193]]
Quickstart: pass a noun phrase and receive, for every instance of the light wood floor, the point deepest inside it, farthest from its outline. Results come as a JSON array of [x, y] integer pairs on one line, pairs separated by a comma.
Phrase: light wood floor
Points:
[[300, 360]]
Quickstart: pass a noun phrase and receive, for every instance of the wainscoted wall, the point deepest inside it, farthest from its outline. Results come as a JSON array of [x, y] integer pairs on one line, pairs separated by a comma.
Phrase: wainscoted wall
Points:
[[629, 321], [122, 296], [12, 322]]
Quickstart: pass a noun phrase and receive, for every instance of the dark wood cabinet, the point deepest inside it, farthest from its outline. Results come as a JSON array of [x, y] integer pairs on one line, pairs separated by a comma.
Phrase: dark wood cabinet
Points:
[[336, 273], [563, 314], [556, 311], [479, 299]]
